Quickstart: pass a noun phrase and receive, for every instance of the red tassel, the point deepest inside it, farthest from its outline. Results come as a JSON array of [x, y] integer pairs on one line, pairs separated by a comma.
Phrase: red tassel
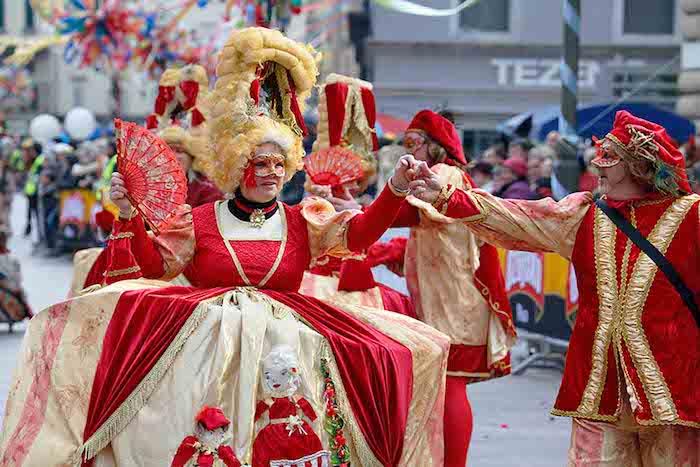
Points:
[[165, 96], [190, 89], [152, 121], [295, 105], [255, 91], [197, 117]]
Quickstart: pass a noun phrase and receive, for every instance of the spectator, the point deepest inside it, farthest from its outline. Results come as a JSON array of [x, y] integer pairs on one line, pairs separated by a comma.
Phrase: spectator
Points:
[[482, 174], [495, 155], [588, 181], [553, 138], [540, 163], [34, 160], [519, 149], [7, 190], [512, 180], [694, 177]]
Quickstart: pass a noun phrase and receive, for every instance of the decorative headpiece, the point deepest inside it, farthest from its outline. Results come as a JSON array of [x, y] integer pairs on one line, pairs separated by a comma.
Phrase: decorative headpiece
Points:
[[347, 116], [443, 132], [181, 110], [263, 81], [633, 138]]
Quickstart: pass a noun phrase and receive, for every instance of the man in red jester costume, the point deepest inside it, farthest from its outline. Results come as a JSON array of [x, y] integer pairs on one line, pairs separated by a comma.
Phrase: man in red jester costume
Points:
[[634, 356]]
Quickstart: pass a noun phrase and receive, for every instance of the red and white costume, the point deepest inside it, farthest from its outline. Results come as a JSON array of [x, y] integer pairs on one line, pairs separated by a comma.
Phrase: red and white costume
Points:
[[115, 376]]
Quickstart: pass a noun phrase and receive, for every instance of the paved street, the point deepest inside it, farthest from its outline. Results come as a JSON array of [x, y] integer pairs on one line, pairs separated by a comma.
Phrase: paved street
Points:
[[511, 415]]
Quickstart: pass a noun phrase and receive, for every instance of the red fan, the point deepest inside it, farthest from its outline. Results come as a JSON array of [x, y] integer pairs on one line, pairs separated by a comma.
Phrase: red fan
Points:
[[333, 166], [154, 180]]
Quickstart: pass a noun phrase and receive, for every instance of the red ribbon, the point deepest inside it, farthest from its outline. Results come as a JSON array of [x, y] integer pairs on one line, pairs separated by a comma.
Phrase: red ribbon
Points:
[[165, 95], [152, 122], [197, 117], [190, 89]]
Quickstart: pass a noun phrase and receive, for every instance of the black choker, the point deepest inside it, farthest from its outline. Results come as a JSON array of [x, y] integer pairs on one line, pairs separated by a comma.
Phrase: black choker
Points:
[[250, 211]]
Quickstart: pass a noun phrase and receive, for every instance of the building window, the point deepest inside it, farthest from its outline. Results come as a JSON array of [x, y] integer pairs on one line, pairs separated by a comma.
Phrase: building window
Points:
[[28, 16], [489, 16], [661, 90], [649, 17]]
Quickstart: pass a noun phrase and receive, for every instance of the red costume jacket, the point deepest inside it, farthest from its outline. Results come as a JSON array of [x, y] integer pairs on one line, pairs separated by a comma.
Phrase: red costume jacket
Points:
[[634, 337]]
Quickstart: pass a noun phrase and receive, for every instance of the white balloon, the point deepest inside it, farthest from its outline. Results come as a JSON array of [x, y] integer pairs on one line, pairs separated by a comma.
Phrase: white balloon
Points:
[[43, 128], [80, 123]]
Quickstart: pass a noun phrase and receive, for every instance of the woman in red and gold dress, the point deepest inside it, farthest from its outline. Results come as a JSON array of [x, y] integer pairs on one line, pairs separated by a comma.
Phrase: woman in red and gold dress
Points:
[[116, 376]]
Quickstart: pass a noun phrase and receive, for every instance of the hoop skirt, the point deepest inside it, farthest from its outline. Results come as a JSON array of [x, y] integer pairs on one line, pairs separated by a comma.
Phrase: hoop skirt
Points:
[[116, 376]]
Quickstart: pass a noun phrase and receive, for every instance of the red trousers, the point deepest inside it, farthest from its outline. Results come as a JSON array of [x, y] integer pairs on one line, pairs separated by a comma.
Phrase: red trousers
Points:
[[458, 422]]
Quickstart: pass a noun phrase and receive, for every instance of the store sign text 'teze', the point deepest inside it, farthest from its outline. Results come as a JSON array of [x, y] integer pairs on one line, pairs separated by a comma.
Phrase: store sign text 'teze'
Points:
[[543, 73]]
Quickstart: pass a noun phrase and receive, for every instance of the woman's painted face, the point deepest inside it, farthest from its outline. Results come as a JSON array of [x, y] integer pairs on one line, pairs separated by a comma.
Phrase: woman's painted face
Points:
[[264, 176]]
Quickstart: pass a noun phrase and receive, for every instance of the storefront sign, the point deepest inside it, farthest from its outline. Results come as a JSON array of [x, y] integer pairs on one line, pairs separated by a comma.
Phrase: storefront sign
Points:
[[544, 73]]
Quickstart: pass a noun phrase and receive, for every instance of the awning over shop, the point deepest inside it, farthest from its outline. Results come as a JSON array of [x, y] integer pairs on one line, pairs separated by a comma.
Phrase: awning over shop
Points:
[[390, 127], [596, 120]]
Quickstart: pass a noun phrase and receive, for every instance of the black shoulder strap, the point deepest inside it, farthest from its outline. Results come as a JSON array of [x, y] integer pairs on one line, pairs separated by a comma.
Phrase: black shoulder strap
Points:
[[654, 254]]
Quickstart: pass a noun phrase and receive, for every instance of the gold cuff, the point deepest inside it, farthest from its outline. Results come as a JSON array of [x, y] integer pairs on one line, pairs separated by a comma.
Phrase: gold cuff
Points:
[[121, 235], [122, 272], [396, 191], [443, 198]]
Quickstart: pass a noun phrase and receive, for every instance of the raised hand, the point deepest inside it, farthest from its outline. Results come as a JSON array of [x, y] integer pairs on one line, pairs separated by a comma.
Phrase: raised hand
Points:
[[117, 193], [426, 184], [323, 191], [344, 202], [404, 172]]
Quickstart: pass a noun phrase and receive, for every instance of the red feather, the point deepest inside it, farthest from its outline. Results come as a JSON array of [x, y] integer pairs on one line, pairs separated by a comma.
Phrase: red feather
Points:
[[154, 180]]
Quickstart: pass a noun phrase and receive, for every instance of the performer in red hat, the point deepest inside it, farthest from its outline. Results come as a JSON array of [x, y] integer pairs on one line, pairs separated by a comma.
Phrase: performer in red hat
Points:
[[455, 280], [634, 355]]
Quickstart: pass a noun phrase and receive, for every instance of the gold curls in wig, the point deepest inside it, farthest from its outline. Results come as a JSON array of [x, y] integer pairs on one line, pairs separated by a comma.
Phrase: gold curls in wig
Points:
[[263, 81]]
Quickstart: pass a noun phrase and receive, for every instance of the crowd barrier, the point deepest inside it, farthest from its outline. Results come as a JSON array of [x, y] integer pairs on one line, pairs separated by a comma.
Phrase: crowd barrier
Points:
[[544, 298]]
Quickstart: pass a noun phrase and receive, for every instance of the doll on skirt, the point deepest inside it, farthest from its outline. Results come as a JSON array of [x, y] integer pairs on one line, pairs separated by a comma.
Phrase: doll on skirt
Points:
[[288, 435], [207, 447]]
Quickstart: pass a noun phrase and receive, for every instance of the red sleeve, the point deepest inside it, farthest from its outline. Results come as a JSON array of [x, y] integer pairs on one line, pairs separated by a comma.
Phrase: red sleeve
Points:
[[460, 206], [407, 217], [228, 457], [391, 254], [260, 409], [142, 247], [366, 228], [307, 409], [184, 452]]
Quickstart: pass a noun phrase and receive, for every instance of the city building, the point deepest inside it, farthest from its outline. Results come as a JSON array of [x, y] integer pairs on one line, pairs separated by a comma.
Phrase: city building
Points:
[[689, 79], [500, 58]]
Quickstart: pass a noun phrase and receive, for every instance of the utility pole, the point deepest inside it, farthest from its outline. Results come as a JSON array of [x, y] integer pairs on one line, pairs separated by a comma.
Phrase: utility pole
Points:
[[567, 170]]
